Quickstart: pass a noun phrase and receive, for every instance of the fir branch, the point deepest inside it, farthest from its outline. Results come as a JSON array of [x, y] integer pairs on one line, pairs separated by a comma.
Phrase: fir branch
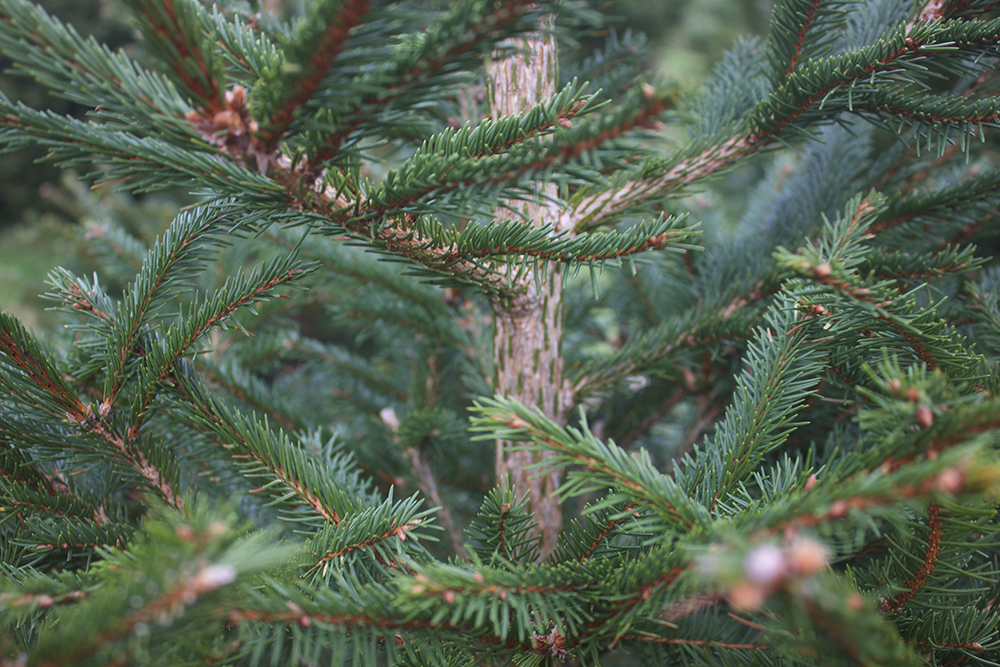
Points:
[[42, 600], [316, 46], [791, 101], [790, 18], [932, 109], [250, 53], [605, 464], [43, 386], [905, 266], [133, 160], [976, 193], [761, 416], [175, 29], [160, 359], [606, 530], [16, 467], [301, 476], [388, 219], [926, 567], [440, 175], [388, 532], [593, 210], [183, 248], [30, 501], [505, 526], [87, 72], [38, 380], [462, 33], [868, 493]]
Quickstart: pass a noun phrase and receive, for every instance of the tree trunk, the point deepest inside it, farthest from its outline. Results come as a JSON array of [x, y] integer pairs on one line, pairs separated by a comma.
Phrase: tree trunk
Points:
[[528, 338]]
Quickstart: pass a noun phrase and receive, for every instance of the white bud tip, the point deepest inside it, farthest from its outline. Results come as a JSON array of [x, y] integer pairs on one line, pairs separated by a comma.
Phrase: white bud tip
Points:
[[765, 564], [215, 576], [389, 418]]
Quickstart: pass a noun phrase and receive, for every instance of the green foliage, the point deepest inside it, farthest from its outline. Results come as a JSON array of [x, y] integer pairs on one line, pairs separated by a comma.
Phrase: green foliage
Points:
[[266, 433]]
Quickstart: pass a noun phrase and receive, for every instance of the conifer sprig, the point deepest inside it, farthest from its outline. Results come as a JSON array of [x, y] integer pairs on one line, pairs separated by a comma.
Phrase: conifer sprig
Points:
[[177, 31], [315, 44], [785, 444], [811, 93]]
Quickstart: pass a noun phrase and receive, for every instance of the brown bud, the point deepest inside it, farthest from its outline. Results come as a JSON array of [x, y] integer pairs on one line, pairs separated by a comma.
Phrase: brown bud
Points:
[[924, 416], [811, 482], [912, 394], [838, 508], [807, 557], [950, 480], [746, 597], [822, 271]]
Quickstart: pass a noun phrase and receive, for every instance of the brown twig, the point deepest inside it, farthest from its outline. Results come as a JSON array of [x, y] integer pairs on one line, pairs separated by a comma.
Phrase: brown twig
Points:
[[914, 585]]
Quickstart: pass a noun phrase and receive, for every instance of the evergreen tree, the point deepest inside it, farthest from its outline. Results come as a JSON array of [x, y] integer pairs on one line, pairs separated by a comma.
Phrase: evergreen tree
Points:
[[338, 410]]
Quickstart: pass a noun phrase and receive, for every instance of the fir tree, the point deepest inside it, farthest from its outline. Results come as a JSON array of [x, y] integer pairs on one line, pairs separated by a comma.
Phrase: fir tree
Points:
[[337, 410]]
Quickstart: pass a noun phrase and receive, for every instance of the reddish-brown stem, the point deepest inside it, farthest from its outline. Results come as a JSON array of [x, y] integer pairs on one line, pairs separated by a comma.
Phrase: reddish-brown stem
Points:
[[801, 38], [205, 88], [914, 585], [179, 351], [608, 529], [333, 40]]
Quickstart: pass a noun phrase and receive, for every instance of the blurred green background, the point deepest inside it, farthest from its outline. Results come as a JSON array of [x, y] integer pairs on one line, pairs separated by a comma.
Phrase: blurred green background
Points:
[[44, 213]]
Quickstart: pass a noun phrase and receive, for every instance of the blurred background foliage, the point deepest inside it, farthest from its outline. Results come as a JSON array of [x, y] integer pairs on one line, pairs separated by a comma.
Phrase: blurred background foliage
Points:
[[48, 217]]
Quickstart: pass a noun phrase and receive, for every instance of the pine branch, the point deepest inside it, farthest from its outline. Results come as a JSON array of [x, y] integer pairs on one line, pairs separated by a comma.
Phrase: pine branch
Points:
[[926, 568], [41, 385], [185, 247], [606, 464], [314, 47], [460, 32], [89, 73], [176, 30], [133, 160], [765, 403], [270, 456], [795, 101], [387, 532], [161, 355], [792, 22]]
